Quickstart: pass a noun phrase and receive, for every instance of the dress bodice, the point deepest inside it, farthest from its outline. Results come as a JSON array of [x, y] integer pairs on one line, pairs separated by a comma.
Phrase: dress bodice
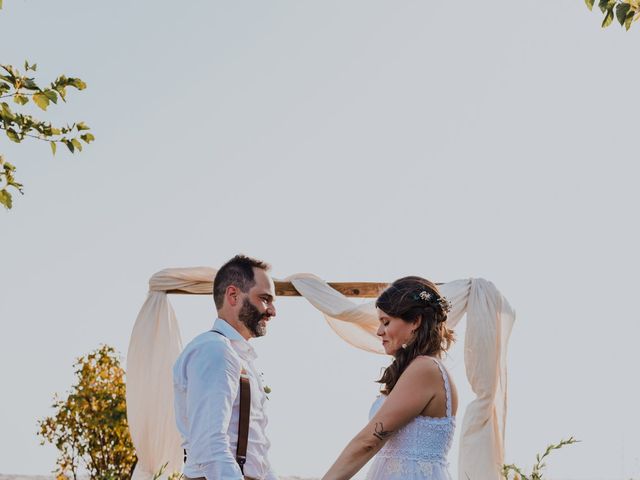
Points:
[[419, 449]]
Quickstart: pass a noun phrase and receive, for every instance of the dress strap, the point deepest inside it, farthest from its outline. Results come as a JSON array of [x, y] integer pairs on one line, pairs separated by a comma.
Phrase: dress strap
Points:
[[447, 387]]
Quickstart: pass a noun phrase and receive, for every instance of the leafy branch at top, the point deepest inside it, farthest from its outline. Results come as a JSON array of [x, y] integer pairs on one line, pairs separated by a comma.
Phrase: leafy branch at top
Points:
[[19, 126], [625, 11], [513, 472]]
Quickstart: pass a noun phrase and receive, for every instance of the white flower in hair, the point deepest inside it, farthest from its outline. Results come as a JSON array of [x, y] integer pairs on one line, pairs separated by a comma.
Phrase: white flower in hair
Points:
[[445, 304], [424, 295]]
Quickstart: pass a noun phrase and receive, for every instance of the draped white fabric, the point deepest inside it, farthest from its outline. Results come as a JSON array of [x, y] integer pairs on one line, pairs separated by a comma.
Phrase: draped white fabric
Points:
[[155, 344]]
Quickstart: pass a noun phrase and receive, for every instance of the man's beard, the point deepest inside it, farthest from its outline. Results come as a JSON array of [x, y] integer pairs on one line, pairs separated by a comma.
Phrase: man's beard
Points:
[[251, 316]]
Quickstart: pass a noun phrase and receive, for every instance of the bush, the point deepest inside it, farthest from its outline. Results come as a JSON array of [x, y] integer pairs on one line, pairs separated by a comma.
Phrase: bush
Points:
[[89, 427]]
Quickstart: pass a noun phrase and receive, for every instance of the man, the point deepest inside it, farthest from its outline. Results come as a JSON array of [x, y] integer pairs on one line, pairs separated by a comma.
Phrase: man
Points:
[[206, 378]]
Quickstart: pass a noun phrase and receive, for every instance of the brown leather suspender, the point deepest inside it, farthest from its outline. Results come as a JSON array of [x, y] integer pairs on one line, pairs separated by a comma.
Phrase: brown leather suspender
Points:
[[243, 423]]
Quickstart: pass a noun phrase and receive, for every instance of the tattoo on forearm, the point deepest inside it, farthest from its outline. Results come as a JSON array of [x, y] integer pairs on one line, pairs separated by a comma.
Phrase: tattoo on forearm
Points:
[[380, 432]]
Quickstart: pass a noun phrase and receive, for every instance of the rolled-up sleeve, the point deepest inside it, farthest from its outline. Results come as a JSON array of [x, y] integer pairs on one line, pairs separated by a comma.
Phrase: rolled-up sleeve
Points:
[[213, 375]]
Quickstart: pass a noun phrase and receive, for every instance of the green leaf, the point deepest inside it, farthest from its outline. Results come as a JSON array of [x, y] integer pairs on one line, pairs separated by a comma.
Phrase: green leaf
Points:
[[9, 167], [51, 95], [603, 5], [77, 144], [11, 182], [76, 82], [5, 197], [6, 110], [62, 92], [20, 99], [82, 126], [53, 147], [629, 20], [41, 100], [29, 84], [11, 71], [68, 144], [589, 3], [621, 12], [13, 136], [87, 137], [608, 18], [606, 5]]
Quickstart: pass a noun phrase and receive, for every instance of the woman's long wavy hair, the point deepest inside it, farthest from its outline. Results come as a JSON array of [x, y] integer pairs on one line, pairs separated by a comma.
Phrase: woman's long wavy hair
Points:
[[410, 299]]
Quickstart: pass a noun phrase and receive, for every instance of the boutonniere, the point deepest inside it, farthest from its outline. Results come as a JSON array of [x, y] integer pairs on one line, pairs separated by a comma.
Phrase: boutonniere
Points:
[[265, 387]]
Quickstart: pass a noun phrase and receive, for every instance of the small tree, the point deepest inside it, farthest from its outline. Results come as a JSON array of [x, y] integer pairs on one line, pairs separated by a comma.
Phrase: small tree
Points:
[[89, 427]]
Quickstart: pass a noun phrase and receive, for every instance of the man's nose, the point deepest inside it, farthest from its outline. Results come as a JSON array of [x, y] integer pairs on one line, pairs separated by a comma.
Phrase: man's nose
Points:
[[271, 310]]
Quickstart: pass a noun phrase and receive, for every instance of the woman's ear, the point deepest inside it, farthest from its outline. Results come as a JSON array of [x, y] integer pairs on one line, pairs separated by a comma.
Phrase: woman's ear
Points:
[[417, 322]]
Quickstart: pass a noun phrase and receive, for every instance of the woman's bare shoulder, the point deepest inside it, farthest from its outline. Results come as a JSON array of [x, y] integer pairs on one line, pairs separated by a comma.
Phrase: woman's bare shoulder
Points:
[[423, 368]]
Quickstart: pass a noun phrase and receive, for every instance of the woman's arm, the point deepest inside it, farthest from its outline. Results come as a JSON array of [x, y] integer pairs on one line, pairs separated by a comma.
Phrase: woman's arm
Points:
[[413, 391], [358, 452]]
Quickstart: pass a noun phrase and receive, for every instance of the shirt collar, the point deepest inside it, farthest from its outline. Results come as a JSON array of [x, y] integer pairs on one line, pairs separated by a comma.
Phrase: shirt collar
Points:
[[233, 335]]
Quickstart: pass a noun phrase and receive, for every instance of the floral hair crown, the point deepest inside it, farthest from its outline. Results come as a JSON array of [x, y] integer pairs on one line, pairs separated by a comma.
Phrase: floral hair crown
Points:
[[434, 300]]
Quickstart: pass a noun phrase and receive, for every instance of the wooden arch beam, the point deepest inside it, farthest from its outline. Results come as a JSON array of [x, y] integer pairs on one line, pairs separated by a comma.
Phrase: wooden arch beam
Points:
[[348, 289]]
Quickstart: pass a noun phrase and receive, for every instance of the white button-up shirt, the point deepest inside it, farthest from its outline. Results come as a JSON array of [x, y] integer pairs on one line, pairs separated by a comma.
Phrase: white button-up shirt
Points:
[[206, 385]]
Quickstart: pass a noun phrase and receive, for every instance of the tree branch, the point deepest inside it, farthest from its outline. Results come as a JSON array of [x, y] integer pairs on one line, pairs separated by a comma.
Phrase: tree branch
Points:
[[18, 93], [43, 138]]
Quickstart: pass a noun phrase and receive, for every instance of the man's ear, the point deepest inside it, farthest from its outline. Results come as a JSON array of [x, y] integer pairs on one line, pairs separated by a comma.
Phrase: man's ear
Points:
[[232, 295]]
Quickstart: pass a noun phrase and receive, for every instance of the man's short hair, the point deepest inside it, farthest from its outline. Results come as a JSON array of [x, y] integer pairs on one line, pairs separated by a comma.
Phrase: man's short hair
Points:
[[238, 272]]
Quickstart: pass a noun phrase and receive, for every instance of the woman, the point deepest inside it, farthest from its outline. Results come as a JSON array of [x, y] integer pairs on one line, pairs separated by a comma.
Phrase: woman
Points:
[[412, 422]]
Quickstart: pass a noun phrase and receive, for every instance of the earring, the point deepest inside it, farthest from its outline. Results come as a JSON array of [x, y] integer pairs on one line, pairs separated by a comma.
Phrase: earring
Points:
[[404, 345]]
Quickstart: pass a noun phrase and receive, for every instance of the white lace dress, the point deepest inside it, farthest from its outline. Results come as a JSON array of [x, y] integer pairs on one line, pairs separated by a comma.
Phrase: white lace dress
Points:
[[419, 450]]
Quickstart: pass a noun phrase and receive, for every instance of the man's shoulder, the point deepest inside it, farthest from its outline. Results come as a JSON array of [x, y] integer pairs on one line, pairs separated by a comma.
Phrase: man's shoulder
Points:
[[210, 336], [210, 342], [208, 352]]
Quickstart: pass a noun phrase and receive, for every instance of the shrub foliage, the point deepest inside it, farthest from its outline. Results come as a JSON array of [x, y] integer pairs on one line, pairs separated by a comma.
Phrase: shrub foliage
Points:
[[89, 428], [513, 472]]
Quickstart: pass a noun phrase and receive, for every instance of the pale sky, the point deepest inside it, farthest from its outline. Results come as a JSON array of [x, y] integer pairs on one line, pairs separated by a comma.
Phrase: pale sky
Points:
[[358, 140]]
